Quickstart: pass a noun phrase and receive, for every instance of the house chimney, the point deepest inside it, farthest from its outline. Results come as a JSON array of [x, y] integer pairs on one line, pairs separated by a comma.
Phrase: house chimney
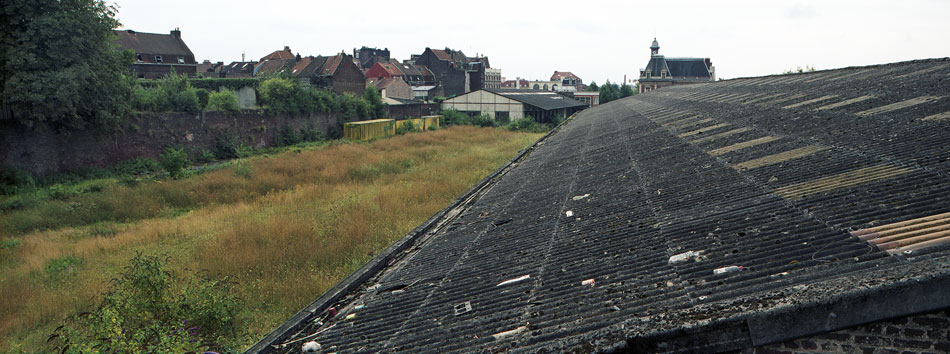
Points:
[[286, 48], [176, 33]]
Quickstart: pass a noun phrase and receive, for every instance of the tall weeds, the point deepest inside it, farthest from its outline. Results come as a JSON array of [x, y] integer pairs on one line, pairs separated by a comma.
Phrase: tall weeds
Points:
[[286, 229]]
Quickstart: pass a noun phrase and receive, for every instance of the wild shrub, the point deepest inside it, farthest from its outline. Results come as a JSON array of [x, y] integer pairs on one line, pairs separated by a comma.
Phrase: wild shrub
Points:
[[150, 309], [14, 180], [280, 95], [406, 127], [203, 97], [174, 160], [224, 101], [526, 124], [483, 120], [454, 117], [171, 93], [286, 137], [204, 156], [225, 146]]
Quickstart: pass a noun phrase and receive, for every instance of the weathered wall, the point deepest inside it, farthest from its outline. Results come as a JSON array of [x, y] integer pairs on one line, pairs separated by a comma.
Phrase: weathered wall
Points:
[[924, 333], [42, 151]]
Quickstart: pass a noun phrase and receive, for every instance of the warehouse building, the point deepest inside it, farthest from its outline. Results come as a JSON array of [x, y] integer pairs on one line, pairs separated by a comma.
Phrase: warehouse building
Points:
[[505, 105]]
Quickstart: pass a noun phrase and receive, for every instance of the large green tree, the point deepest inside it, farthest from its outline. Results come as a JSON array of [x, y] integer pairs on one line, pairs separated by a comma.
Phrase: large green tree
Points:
[[60, 64]]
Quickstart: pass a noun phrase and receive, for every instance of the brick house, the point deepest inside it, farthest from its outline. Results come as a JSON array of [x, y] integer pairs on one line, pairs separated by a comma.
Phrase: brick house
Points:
[[391, 87], [339, 73], [156, 54], [367, 57], [567, 81], [455, 72]]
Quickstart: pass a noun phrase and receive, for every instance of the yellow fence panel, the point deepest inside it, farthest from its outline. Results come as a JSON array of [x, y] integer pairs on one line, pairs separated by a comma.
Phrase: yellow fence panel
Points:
[[368, 129]]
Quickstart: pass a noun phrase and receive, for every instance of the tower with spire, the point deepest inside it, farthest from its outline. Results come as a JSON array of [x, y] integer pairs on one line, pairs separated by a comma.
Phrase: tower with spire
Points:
[[662, 71]]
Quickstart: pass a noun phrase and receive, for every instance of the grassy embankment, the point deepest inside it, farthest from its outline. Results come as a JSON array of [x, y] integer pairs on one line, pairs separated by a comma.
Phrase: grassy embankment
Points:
[[285, 227]]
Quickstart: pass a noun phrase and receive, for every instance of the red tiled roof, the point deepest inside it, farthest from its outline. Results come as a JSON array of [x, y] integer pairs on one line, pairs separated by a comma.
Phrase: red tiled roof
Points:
[[558, 75], [279, 54], [332, 64], [301, 64]]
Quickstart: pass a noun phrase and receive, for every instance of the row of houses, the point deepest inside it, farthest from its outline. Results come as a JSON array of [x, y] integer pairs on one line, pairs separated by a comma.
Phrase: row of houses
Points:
[[433, 73]]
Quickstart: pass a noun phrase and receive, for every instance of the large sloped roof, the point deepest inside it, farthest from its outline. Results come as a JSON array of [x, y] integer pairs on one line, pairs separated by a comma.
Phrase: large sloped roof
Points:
[[625, 229], [151, 43]]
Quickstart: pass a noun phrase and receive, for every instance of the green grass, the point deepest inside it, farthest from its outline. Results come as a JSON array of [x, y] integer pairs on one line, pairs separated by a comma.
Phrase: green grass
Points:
[[285, 227]]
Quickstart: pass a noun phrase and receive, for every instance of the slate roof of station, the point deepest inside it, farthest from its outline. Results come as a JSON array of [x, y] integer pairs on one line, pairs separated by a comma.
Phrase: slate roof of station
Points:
[[546, 100], [604, 236]]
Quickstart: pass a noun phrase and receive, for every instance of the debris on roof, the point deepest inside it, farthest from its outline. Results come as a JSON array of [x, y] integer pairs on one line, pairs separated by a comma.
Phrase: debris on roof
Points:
[[728, 215]]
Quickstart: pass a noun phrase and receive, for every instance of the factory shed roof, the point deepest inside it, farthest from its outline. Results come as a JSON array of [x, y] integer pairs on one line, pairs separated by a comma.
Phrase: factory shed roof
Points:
[[696, 218]]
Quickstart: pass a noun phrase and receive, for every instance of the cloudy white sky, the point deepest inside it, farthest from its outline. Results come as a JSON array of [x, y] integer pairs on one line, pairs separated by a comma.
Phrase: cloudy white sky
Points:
[[597, 40]]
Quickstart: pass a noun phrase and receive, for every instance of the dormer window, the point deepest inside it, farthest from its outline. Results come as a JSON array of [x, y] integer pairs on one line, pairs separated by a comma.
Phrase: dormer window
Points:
[[158, 59], [181, 60]]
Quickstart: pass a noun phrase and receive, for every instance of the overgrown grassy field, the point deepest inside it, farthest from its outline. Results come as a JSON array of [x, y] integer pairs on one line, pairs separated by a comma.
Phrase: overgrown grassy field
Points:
[[285, 227]]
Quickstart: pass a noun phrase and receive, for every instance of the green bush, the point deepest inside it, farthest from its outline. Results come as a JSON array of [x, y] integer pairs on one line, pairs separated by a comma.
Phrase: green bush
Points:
[[204, 155], [150, 309], [286, 137], [280, 95], [203, 96], [12, 181], [406, 127], [174, 160], [225, 101], [172, 93], [483, 120], [225, 146], [526, 124], [185, 101], [137, 166], [454, 117]]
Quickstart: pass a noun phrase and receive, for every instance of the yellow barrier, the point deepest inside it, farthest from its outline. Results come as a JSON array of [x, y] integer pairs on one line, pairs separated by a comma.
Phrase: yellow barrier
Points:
[[368, 129], [378, 128]]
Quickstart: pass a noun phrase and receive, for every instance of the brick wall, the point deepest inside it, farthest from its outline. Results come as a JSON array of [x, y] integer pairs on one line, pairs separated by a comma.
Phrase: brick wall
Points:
[[42, 151], [924, 333]]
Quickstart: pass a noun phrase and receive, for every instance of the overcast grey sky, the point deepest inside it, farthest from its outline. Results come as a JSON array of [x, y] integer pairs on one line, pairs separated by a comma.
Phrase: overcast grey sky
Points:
[[596, 40]]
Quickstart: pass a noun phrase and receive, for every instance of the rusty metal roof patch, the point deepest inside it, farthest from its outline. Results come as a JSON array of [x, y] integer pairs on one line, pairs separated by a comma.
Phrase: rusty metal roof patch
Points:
[[908, 235]]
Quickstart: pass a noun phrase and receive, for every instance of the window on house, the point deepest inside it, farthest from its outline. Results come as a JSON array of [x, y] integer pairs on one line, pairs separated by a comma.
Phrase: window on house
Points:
[[158, 58], [138, 58], [181, 60]]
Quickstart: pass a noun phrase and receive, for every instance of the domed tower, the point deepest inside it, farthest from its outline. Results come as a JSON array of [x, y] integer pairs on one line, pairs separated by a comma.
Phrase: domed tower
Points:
[[655, 47]]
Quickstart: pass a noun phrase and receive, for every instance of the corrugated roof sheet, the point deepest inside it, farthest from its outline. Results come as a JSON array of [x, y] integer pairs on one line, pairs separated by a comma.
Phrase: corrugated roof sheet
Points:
[[618, 232]]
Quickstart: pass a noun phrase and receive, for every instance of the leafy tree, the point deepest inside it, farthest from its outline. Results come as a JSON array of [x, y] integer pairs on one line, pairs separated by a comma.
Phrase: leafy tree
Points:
[[372, 96], [60, 65], [609, 92], [280, 94], [593, 87], [626, 91]]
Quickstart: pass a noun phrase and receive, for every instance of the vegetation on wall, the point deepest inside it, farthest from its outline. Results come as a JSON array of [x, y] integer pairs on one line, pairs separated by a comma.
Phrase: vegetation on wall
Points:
[[60, 66], [173, 93]]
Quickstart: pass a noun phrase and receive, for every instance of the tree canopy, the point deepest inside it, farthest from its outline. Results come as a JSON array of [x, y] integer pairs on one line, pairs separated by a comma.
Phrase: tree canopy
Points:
[[60, 64]]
